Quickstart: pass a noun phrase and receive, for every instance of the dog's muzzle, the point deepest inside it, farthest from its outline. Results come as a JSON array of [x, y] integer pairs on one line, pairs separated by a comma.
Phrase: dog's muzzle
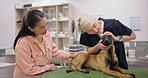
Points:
[[106, 40]]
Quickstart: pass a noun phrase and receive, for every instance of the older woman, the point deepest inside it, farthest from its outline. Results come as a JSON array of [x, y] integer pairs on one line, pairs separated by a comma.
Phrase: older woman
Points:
[[91, 29]]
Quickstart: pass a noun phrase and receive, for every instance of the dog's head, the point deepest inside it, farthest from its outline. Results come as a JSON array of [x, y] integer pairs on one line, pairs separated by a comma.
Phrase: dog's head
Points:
[[107, 40]]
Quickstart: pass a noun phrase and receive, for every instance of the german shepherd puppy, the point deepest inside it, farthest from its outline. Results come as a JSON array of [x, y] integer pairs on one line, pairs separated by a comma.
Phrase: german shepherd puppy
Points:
[[105, 61]]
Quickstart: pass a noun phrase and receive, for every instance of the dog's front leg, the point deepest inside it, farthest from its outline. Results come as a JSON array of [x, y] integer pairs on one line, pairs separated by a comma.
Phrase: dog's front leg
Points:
[[77, 62], [115, 73], [72, 68], [116, 68], [122, 71]]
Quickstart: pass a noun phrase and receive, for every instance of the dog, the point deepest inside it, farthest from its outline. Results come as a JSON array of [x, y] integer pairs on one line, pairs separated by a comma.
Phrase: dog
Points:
[[105, 61]]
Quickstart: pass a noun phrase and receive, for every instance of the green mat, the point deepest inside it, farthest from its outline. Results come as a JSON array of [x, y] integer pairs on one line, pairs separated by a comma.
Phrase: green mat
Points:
[[61, 73]]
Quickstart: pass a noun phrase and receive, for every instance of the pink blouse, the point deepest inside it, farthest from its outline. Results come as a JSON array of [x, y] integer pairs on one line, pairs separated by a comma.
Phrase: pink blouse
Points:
[[31, 60]]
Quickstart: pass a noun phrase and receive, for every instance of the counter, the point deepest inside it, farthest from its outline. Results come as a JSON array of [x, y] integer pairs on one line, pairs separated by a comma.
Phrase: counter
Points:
[[61, 73]]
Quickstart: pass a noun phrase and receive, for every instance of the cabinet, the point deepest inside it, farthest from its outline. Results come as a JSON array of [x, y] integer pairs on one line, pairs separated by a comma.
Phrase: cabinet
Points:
[[59, 17]]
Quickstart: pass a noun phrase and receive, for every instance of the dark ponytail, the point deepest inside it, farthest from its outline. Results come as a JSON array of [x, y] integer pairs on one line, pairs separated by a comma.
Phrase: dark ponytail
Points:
[[29, 20]]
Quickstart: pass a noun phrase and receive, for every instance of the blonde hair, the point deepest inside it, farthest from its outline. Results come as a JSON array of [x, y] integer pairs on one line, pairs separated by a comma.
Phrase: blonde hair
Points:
[[85, 22]]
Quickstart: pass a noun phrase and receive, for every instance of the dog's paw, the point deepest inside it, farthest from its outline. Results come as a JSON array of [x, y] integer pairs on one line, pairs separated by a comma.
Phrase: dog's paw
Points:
[[87, 71], [68, 71], [127, 76], [133, 76]]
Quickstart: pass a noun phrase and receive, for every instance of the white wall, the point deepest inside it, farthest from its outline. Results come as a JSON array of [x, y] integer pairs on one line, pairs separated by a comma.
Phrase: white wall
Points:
[[119, 9], [7, 23]]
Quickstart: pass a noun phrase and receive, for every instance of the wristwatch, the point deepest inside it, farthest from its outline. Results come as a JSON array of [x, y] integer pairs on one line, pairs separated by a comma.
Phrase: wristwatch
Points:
[[120, 38]]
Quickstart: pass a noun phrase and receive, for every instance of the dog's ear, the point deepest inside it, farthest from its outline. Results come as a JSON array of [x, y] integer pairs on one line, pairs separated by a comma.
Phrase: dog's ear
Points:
[[110, 36], [102, 37]]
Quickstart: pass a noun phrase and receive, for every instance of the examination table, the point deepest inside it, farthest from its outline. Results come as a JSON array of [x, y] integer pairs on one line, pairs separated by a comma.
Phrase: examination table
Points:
[[61, 73]]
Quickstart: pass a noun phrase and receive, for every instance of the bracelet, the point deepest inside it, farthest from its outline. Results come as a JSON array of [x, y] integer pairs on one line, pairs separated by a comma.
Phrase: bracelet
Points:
[[120, 38]]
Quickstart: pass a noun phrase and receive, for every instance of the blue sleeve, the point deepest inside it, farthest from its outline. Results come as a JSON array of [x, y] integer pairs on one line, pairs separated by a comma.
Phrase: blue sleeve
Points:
[[116, 27], [89, 40], [121, 29]]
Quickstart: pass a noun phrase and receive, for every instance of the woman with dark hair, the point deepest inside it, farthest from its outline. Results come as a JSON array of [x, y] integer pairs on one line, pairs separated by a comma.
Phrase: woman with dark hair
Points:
[[34, 47]]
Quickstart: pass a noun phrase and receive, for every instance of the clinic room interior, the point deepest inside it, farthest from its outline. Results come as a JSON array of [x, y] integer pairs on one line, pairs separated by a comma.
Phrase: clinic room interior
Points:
[[62, 17]]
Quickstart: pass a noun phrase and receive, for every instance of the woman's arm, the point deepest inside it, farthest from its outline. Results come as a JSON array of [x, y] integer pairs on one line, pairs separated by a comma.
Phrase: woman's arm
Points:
[[97, 47], [125, 38], [74, 55]]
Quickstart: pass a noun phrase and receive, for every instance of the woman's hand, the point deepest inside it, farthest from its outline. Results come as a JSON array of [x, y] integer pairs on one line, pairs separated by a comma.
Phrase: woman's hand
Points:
[[74, 54], [116, 38], [52, 67], [103, 47]]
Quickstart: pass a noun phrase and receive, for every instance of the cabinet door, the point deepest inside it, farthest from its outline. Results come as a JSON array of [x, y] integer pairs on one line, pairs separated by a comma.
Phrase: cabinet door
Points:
[[50, 12], [64, 25], [59, 18], [19, 18]]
